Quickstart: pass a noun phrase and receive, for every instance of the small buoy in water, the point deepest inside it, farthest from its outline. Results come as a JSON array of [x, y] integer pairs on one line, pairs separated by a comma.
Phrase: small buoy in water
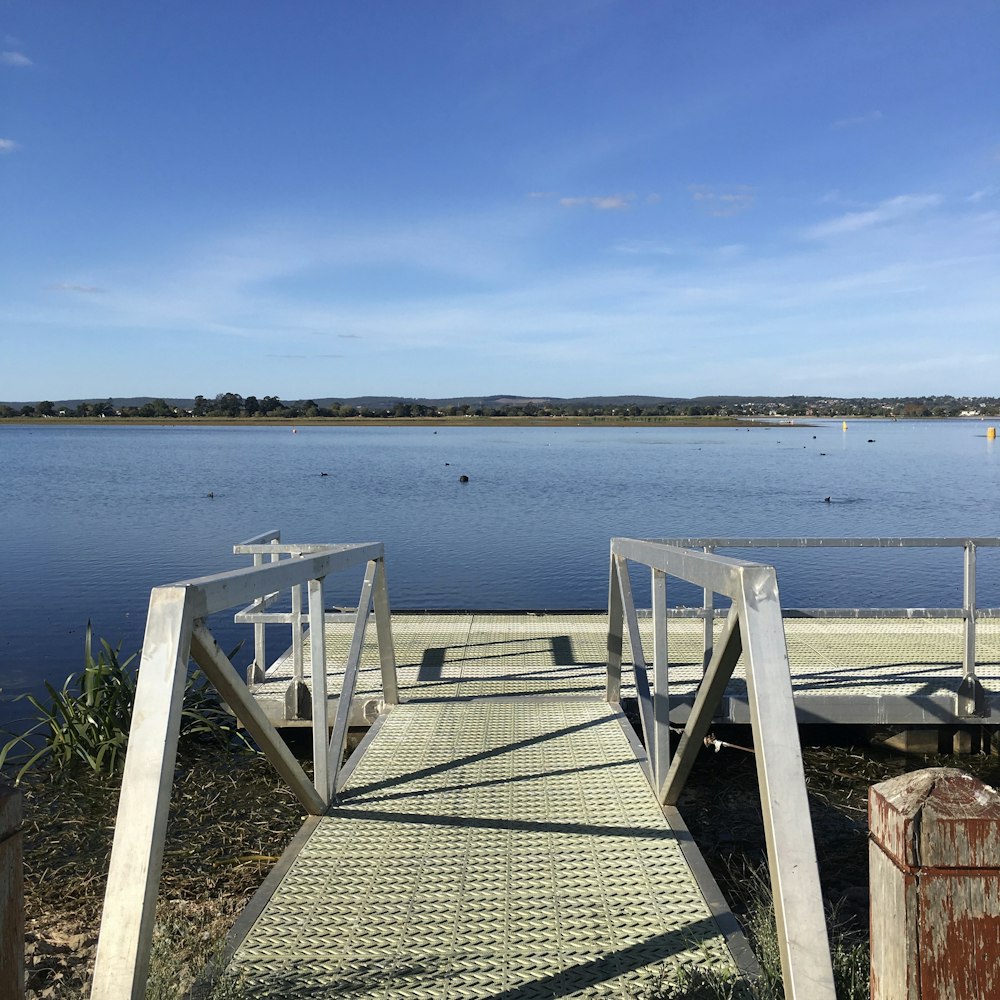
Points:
[[991, 434], [827, 500], [295, 430], [814, 437], [843, 425], [463, 479]]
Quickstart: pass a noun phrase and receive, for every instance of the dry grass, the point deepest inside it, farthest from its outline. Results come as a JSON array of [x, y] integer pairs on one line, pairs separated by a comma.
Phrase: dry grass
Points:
[[231, 818]]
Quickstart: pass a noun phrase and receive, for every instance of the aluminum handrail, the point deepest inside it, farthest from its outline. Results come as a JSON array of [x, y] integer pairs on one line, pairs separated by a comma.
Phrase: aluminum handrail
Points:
[[970, 696], [296, 697], [176, 632], [755, 630], [848, 542]]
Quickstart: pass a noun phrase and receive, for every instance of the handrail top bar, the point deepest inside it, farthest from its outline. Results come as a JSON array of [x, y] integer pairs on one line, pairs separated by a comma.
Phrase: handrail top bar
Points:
[[287, 548], [220, 591], [265, 536], [630, 548], [843, 542], [721, 574]]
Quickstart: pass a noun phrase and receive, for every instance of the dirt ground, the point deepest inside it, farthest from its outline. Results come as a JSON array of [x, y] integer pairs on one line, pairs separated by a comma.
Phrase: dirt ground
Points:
[[231, 817]]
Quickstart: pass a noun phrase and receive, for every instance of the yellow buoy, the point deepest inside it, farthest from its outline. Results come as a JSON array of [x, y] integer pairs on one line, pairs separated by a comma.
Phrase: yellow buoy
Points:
[[844, 425], [991, 433]]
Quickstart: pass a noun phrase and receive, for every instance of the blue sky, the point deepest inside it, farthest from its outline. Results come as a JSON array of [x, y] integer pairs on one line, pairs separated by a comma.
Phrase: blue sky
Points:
[[437, 198]]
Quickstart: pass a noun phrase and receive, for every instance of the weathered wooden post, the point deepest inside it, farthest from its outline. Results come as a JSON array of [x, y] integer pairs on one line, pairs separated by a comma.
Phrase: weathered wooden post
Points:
[[934, 858], [11, 895]]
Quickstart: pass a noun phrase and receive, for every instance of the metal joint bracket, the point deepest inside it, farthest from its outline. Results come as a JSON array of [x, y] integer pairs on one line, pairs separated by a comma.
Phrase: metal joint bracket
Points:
[[970, 698], [298, 703]]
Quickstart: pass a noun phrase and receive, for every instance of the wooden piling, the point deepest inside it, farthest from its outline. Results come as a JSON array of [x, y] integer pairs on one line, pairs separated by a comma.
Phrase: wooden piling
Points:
[[11, 895], [934, 857]]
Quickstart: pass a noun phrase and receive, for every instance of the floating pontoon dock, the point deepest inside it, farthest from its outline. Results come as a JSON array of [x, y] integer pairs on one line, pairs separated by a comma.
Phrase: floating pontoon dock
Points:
[[500, 831], [886, 671]]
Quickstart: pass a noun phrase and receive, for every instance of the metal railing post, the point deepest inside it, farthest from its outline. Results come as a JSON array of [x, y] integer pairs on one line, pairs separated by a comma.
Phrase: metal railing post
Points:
[[969, 607], [806, 967], [660, 755], [255, 672], [616, 634], [708, 604], [317, 666], [971, 697], [383, 630], [126, 934], [297, 660]]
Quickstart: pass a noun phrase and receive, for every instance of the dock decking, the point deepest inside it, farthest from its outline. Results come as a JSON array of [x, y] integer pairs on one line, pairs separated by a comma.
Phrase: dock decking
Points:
[[499, 831], [876, 671], [498, 836], [491, 847]]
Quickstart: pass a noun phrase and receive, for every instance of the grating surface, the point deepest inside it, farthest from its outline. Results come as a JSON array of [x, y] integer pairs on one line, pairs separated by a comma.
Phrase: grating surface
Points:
[[447, 657], [484, 849]]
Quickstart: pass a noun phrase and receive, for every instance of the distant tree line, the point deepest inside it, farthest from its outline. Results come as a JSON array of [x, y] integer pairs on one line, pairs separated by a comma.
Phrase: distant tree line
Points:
[[234, 406]]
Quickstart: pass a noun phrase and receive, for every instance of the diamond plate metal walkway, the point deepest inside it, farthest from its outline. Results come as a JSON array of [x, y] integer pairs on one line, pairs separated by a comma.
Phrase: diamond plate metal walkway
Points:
[[498, 838]]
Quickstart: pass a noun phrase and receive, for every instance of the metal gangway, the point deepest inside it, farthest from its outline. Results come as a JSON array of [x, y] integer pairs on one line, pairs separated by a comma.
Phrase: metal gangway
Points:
[[480, 842]]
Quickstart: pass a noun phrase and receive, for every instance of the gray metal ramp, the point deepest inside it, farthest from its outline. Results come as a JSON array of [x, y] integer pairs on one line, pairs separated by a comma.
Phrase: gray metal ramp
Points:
[[499, 847]]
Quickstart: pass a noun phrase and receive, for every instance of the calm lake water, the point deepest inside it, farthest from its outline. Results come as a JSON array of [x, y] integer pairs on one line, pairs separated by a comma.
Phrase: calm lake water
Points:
[[96, 516]]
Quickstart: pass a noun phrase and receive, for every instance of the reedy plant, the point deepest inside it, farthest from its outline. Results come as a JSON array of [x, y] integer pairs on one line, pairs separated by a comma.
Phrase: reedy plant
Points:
[[87, 720], [849, 954]]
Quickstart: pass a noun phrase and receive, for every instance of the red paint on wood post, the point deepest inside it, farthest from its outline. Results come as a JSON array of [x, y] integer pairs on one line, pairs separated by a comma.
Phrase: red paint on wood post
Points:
[[11, 896], [934, 858]]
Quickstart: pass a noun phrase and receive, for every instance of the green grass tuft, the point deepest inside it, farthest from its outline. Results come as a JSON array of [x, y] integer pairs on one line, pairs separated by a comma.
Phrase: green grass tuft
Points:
[[86, 722]]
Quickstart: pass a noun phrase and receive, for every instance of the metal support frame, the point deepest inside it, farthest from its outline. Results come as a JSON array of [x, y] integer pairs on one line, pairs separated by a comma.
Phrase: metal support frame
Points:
[[754, 628], [175, 632], [970, 696]]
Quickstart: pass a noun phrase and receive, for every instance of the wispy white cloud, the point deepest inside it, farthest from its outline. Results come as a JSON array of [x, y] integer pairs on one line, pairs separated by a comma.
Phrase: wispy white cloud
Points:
[[983, 193], [603, 203], [303, 357], [12, 58], [8, 146], [852, 121], [644, 247], [892, 210], [724, 203], [285, 290], [78, 289]]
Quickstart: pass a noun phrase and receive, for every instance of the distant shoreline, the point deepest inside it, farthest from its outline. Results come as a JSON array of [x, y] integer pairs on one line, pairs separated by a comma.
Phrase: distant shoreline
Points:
[[297, 422]]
